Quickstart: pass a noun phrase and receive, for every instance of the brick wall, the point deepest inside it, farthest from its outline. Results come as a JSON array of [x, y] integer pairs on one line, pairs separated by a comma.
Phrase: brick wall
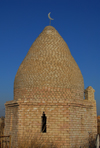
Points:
[[81, 123], [69, 122]]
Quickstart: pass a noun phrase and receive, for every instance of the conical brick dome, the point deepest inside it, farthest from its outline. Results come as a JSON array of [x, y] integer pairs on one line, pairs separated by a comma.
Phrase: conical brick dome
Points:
[[48, 64]]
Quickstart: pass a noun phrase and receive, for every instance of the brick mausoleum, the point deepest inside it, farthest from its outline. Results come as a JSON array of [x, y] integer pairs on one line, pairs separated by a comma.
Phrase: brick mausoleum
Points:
[[49, 88]]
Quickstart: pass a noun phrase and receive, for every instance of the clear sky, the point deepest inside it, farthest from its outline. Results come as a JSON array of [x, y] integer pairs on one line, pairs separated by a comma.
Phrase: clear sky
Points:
[[21, 21]]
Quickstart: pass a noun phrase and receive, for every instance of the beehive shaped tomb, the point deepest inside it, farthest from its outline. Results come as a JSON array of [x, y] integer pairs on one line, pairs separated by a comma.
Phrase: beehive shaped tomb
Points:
[[49, 65]]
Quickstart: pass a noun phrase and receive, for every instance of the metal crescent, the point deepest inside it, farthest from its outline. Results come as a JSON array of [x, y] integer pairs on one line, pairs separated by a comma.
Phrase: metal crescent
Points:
[[49, 16]]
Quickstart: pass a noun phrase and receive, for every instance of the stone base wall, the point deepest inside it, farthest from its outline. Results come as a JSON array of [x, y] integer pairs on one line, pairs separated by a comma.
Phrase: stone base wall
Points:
[[67, 123]]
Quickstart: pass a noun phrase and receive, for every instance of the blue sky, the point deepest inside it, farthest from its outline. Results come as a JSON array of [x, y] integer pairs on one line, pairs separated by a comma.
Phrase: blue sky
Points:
[[21, 21]]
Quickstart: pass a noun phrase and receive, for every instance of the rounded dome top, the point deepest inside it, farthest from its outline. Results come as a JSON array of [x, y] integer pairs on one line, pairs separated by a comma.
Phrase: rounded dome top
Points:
[[48, 63]]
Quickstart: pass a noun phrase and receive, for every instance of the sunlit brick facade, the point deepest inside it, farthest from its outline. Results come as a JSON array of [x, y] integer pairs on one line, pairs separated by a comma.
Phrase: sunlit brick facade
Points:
[[50, 81]]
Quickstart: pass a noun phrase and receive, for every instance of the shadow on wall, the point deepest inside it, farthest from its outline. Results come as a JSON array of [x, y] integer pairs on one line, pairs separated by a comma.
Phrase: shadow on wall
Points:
[[98, 125], [2, 125]]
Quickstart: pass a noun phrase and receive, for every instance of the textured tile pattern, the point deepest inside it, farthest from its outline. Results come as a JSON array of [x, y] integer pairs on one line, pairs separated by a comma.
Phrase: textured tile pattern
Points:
[[48, 66]]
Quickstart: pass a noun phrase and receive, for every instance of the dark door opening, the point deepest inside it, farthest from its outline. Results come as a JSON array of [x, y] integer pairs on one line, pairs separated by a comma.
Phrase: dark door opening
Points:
[[44, 123]]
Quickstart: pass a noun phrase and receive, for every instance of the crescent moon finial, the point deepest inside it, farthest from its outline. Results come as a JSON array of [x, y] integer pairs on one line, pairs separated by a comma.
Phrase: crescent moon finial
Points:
[[50, 18]]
